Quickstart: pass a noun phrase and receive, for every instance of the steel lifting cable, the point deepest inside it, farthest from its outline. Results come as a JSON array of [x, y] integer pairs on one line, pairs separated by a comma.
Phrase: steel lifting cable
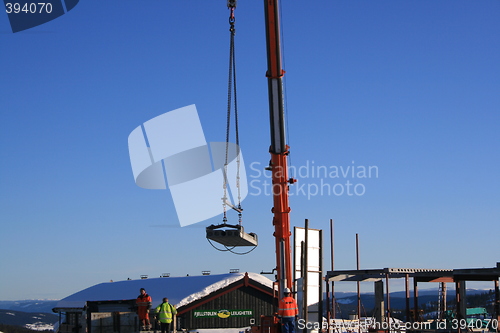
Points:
[[232, 101], [231, 249]]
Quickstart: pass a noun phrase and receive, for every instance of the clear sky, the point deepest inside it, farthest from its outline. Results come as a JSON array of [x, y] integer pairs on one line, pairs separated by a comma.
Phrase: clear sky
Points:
[[408, 88]]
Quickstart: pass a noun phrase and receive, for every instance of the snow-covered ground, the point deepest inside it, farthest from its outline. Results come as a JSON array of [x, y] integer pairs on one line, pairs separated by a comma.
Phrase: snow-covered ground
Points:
[[219, 330], [345, 300], [40, 326], [36, 324]]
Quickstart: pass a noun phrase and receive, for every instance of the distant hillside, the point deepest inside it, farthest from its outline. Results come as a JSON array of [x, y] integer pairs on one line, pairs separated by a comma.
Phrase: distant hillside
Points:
[[32, 320], [44, 306], [427, 302], [348, 305]]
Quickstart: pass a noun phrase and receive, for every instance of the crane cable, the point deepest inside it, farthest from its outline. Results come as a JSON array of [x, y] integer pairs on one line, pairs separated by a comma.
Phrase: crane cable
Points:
[[232, 101]]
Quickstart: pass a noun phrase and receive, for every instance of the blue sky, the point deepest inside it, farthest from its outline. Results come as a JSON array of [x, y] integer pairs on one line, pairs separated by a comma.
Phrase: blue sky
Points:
[[410, 88]]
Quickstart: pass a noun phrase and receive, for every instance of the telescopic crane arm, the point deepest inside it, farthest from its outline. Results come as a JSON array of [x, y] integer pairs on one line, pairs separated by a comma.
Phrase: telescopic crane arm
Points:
[[278, 149]]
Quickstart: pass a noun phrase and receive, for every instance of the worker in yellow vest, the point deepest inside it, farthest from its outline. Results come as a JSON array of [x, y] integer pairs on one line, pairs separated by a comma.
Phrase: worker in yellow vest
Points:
[[165, 312]]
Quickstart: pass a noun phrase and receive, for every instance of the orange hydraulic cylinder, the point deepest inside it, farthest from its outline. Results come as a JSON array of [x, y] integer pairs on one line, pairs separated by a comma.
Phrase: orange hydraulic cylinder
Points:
[[281, 220]]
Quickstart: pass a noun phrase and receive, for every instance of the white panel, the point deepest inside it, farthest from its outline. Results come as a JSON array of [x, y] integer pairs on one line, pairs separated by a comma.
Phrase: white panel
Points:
[[313, 267]]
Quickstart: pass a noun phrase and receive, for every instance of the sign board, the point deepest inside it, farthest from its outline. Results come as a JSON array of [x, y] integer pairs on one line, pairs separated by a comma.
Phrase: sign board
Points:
[[222, 313]]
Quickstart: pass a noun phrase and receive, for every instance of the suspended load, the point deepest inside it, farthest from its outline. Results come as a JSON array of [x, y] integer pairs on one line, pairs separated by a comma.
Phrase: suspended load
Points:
[[229, 235]]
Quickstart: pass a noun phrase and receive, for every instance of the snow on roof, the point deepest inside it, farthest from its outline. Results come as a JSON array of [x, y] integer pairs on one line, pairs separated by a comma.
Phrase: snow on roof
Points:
[[179, 290]]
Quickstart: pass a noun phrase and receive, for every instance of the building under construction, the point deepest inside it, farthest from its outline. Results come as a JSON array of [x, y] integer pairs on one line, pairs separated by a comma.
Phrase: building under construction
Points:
[[412, 277]]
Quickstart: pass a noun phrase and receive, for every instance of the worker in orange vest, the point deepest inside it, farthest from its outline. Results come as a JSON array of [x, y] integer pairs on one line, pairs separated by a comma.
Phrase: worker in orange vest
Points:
[[288, 312], [143, 302]]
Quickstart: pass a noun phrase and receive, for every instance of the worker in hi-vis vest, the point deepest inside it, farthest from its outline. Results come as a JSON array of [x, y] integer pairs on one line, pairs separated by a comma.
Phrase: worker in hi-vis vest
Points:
[[288, 312], [143, 305], [165, 312]]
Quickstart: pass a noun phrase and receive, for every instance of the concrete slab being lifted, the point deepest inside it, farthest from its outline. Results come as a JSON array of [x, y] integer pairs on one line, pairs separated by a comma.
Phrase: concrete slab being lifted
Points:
[[232, 237]]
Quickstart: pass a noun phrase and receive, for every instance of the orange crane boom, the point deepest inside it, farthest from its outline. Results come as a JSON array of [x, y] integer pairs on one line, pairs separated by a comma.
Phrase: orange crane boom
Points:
[[279, 149]]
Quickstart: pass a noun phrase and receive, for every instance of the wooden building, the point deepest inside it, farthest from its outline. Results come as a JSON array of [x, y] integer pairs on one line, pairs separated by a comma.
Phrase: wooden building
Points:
[[239, 304], [233, 300]]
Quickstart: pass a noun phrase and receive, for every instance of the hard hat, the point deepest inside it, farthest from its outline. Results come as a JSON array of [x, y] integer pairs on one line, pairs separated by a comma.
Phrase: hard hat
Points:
[[287, 291]]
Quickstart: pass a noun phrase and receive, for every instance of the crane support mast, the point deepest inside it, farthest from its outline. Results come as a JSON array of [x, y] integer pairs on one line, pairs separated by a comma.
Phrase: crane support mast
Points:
[[278, 149], [275, 74]]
